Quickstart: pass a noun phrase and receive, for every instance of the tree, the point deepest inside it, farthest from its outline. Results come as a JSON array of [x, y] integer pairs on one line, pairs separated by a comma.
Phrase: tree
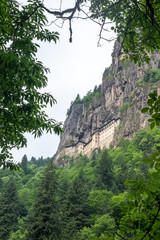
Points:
[[8, 209], [22, 76], [99, 202], [104, 227], [104, 171], [43, 220], [77, 208], [24, 164], [20, 233], [140, 218]]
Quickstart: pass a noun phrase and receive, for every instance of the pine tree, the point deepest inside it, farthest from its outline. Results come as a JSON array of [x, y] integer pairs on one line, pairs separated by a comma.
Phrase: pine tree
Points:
[[8, 209], [77, 208], [24, 164], [43, 220], [104, 171]]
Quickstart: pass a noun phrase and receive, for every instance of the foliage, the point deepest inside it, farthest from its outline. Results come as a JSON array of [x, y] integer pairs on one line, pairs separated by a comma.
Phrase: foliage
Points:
[[90, 96], [124, 107], [8, 209], [22, 76], [153, 109], [141, 220], [78, 99], [79, 208], [137, 24], [104, 171], [87, 99], [152, 75], [99, 203], [21, 232], [104, 225], [76, 208], [17, 235], [24, 164], [43, 220]]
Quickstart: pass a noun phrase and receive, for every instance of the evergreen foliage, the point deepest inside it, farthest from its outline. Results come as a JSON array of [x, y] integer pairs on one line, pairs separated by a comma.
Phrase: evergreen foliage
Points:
[[9, 211], [24, 164], [104, 171], [21, 77], [77, 208], [43, 220], [87, 99], [93, 203]]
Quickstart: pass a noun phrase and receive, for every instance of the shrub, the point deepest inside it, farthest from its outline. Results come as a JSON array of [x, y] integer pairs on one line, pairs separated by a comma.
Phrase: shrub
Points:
[[152, 75]]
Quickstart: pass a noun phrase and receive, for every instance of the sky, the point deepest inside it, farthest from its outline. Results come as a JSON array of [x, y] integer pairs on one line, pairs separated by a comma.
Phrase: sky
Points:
[[74, 68]]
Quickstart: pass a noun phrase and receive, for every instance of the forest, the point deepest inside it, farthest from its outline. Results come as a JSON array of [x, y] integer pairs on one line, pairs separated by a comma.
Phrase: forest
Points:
[[112, 195]]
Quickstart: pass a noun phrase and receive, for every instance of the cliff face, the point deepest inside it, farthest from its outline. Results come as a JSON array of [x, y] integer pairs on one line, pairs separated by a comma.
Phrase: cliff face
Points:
[[115, 113]]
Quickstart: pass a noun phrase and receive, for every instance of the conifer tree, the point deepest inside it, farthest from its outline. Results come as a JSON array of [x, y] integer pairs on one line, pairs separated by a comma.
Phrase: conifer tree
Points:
[[77, 208], [8, 209], [104, 171], [24, 164], [43, 220]]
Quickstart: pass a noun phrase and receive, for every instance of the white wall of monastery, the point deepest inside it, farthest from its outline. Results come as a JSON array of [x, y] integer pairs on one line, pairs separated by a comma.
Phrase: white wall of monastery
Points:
[[100, 139]]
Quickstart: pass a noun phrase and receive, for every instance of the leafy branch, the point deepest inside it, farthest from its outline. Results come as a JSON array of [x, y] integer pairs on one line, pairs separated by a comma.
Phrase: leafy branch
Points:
[[152, 223]]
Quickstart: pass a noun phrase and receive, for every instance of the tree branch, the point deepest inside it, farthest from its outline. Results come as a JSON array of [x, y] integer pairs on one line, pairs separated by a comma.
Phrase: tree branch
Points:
[[60, 14], [120, 236], [152, 223]]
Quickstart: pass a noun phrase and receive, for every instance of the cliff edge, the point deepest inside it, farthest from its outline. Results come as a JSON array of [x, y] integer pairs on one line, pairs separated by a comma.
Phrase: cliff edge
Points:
[[110, 111]]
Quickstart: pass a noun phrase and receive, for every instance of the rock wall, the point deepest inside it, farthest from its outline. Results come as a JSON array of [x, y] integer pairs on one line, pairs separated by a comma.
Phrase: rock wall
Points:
[[123, 95]]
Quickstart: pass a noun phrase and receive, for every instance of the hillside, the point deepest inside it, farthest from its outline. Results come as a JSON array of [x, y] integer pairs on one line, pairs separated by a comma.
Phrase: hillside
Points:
[[112, 110], [89, 195]]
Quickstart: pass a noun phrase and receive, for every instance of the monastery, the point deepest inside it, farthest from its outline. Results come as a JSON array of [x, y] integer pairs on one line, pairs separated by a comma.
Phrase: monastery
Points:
[[101, 138]]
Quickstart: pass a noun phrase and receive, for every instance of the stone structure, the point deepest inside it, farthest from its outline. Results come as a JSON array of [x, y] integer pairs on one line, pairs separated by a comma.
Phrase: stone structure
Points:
[[99, 140]]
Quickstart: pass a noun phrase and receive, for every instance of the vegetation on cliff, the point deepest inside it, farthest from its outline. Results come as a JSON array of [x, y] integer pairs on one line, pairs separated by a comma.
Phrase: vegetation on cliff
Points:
[[87, 99], [152, 76]]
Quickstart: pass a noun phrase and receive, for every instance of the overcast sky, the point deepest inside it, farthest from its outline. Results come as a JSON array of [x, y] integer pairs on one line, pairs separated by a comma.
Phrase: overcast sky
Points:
[[74, 68]]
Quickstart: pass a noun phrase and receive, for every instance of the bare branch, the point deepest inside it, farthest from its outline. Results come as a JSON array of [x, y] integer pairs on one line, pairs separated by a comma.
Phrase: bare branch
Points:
[[61, 14], [93, 20], [70, 30]]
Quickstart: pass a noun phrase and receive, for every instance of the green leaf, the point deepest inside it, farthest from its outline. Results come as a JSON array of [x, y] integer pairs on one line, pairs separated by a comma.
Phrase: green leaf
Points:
[[153, 95], [150, 102], [154, 156], [147, 160], [151, 120], [157, 166], [144, 110], [151, 164], [152, 125], [150, 111]]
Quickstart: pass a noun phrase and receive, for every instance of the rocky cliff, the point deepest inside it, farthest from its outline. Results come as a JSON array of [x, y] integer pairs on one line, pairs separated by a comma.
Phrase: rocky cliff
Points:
[[115, 112]]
